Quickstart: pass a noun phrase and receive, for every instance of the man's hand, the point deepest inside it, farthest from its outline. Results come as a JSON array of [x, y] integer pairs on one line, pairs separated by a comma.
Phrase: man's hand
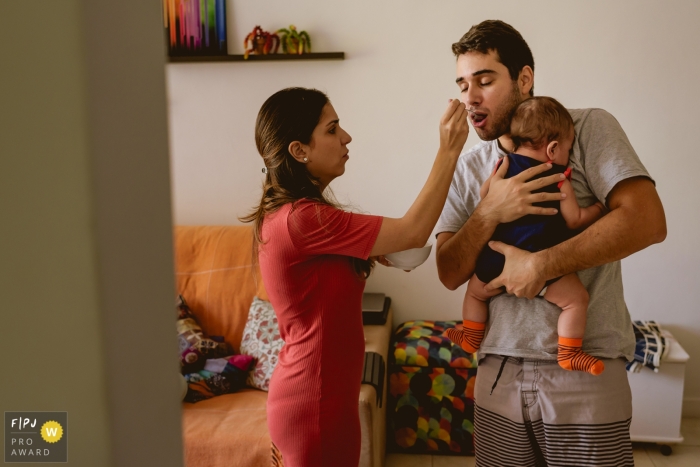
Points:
[[635, 221], [522, 275], [512, 198], [507, 200]]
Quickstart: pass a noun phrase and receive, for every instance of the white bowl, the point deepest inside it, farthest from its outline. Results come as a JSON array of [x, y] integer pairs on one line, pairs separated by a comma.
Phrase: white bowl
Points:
[[410, 259]]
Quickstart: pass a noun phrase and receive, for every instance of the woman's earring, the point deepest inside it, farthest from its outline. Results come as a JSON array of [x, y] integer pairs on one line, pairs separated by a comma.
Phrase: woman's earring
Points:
[[306, 160]]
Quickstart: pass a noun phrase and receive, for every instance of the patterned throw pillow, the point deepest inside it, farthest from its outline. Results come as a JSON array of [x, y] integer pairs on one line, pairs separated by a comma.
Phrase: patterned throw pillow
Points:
[[262, 341]]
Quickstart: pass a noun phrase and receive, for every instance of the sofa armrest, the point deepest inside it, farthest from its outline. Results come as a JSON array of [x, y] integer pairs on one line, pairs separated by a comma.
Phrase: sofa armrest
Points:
[[373, 417]]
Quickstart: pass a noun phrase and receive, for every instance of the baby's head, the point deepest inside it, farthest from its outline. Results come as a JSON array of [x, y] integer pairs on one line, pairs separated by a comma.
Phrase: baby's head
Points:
[[543, 129]]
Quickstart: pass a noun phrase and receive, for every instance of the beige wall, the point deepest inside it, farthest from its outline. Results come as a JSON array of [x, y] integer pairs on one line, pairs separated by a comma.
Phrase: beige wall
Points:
[[86, 274], [637, 59]]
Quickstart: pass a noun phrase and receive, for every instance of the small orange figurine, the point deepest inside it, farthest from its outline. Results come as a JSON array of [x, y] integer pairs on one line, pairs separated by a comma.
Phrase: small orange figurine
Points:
[[260, 42]]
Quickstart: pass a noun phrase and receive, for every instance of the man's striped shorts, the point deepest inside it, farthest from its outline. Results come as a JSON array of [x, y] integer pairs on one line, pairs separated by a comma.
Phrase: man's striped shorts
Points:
[[533, 413]]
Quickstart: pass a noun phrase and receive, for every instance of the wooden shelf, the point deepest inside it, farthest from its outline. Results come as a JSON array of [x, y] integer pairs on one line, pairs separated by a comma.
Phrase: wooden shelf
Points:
[[258, 58]]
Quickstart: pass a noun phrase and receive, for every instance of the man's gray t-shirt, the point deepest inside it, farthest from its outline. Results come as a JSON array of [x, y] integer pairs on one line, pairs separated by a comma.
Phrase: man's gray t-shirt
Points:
[[602, 157]]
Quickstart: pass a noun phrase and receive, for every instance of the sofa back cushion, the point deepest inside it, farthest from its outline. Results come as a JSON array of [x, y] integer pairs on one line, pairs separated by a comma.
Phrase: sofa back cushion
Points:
[[216, 275]]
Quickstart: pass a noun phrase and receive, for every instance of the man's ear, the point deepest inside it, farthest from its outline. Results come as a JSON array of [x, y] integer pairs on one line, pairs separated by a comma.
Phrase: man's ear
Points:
[[526, 79], [551, 148], [298, 151]]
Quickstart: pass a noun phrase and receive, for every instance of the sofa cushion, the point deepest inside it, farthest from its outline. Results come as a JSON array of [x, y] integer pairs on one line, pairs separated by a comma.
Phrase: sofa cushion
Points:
[[262, 341], [216, 273], [227, 430]]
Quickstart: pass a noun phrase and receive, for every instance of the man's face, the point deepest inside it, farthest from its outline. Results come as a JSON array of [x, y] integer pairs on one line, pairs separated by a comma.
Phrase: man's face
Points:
[[487, 90]]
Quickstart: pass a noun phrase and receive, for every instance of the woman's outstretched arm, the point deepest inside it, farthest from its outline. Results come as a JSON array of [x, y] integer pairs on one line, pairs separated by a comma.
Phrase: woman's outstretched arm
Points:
[[413, 229]]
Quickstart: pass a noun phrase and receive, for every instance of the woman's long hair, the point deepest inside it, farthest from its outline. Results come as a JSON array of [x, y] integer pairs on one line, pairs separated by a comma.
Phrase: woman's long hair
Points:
[[289, 115]]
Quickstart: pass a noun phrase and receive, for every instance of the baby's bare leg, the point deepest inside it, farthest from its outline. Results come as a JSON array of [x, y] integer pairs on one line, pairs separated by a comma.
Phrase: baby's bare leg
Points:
[[474, 307], [474, 313], [569, 294]]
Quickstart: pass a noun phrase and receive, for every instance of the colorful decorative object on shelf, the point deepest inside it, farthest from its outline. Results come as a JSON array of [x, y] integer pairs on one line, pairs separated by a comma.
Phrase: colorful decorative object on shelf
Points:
[[293, 41], [195, 27], [260, 42]]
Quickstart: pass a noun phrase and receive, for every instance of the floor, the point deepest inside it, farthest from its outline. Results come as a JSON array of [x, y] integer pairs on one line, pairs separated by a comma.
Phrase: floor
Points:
[[686, 454]]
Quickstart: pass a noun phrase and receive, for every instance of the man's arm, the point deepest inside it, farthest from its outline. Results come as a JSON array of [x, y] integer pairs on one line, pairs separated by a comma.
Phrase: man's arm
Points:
[[636, 220], [462, 251], [507, 200], [457, 252]]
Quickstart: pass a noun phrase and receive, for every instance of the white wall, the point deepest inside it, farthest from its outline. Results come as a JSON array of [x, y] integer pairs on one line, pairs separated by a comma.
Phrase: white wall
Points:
[[86, 259], [637, 59]]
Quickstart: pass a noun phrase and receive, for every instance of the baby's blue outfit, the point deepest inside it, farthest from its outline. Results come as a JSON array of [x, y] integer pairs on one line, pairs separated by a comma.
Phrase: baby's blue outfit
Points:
[[531, 232]]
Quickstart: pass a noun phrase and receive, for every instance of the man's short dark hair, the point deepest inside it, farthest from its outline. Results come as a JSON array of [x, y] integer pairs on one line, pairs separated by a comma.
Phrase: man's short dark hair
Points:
[[510, 47]]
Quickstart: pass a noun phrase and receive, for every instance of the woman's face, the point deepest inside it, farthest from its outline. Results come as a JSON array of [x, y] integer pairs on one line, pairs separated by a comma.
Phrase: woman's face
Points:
[[327, 150]]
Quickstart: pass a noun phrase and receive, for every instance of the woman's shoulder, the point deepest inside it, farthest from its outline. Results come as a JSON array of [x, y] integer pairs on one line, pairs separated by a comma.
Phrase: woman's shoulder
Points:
[[304, 203], [298, 213], [277, 218], [309, 207]]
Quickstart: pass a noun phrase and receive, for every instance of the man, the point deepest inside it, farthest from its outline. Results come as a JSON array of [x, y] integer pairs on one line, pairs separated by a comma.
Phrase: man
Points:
[[529, 411]]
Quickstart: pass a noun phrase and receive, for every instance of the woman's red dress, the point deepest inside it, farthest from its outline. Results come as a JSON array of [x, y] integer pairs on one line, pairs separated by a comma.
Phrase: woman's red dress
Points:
[[312, 406]]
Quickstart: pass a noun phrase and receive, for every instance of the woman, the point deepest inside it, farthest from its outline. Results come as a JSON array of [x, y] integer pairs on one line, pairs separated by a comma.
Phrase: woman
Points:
[[314, 259]]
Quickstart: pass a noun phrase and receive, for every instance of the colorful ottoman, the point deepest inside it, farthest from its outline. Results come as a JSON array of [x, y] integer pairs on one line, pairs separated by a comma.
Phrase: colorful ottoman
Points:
[[431, 391]]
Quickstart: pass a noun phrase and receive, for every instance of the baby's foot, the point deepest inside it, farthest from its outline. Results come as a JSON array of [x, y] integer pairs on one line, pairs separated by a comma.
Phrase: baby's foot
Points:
[[572, 358], [469, 337]]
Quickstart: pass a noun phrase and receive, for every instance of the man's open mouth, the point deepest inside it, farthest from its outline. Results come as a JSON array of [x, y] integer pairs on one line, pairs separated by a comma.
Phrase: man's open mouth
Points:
[[477, 118]]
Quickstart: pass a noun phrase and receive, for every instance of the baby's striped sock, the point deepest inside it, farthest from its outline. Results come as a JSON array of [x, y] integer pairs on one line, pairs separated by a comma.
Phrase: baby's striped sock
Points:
[[470, 337], [572, 358]]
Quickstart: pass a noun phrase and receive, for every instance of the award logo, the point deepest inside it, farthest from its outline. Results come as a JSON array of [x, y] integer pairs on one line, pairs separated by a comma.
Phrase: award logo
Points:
[[36, 437]]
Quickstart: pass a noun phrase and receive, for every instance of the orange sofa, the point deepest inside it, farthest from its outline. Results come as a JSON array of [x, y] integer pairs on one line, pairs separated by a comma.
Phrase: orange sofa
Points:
[[215, 275]]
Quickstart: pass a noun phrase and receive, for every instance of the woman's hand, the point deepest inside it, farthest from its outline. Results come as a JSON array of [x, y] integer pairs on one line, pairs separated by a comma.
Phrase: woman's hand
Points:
[[454, 127], [414, 228], [381, 259]]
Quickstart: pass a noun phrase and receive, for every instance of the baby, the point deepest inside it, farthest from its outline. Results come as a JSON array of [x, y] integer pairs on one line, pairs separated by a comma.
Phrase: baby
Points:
[[542, 131]]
